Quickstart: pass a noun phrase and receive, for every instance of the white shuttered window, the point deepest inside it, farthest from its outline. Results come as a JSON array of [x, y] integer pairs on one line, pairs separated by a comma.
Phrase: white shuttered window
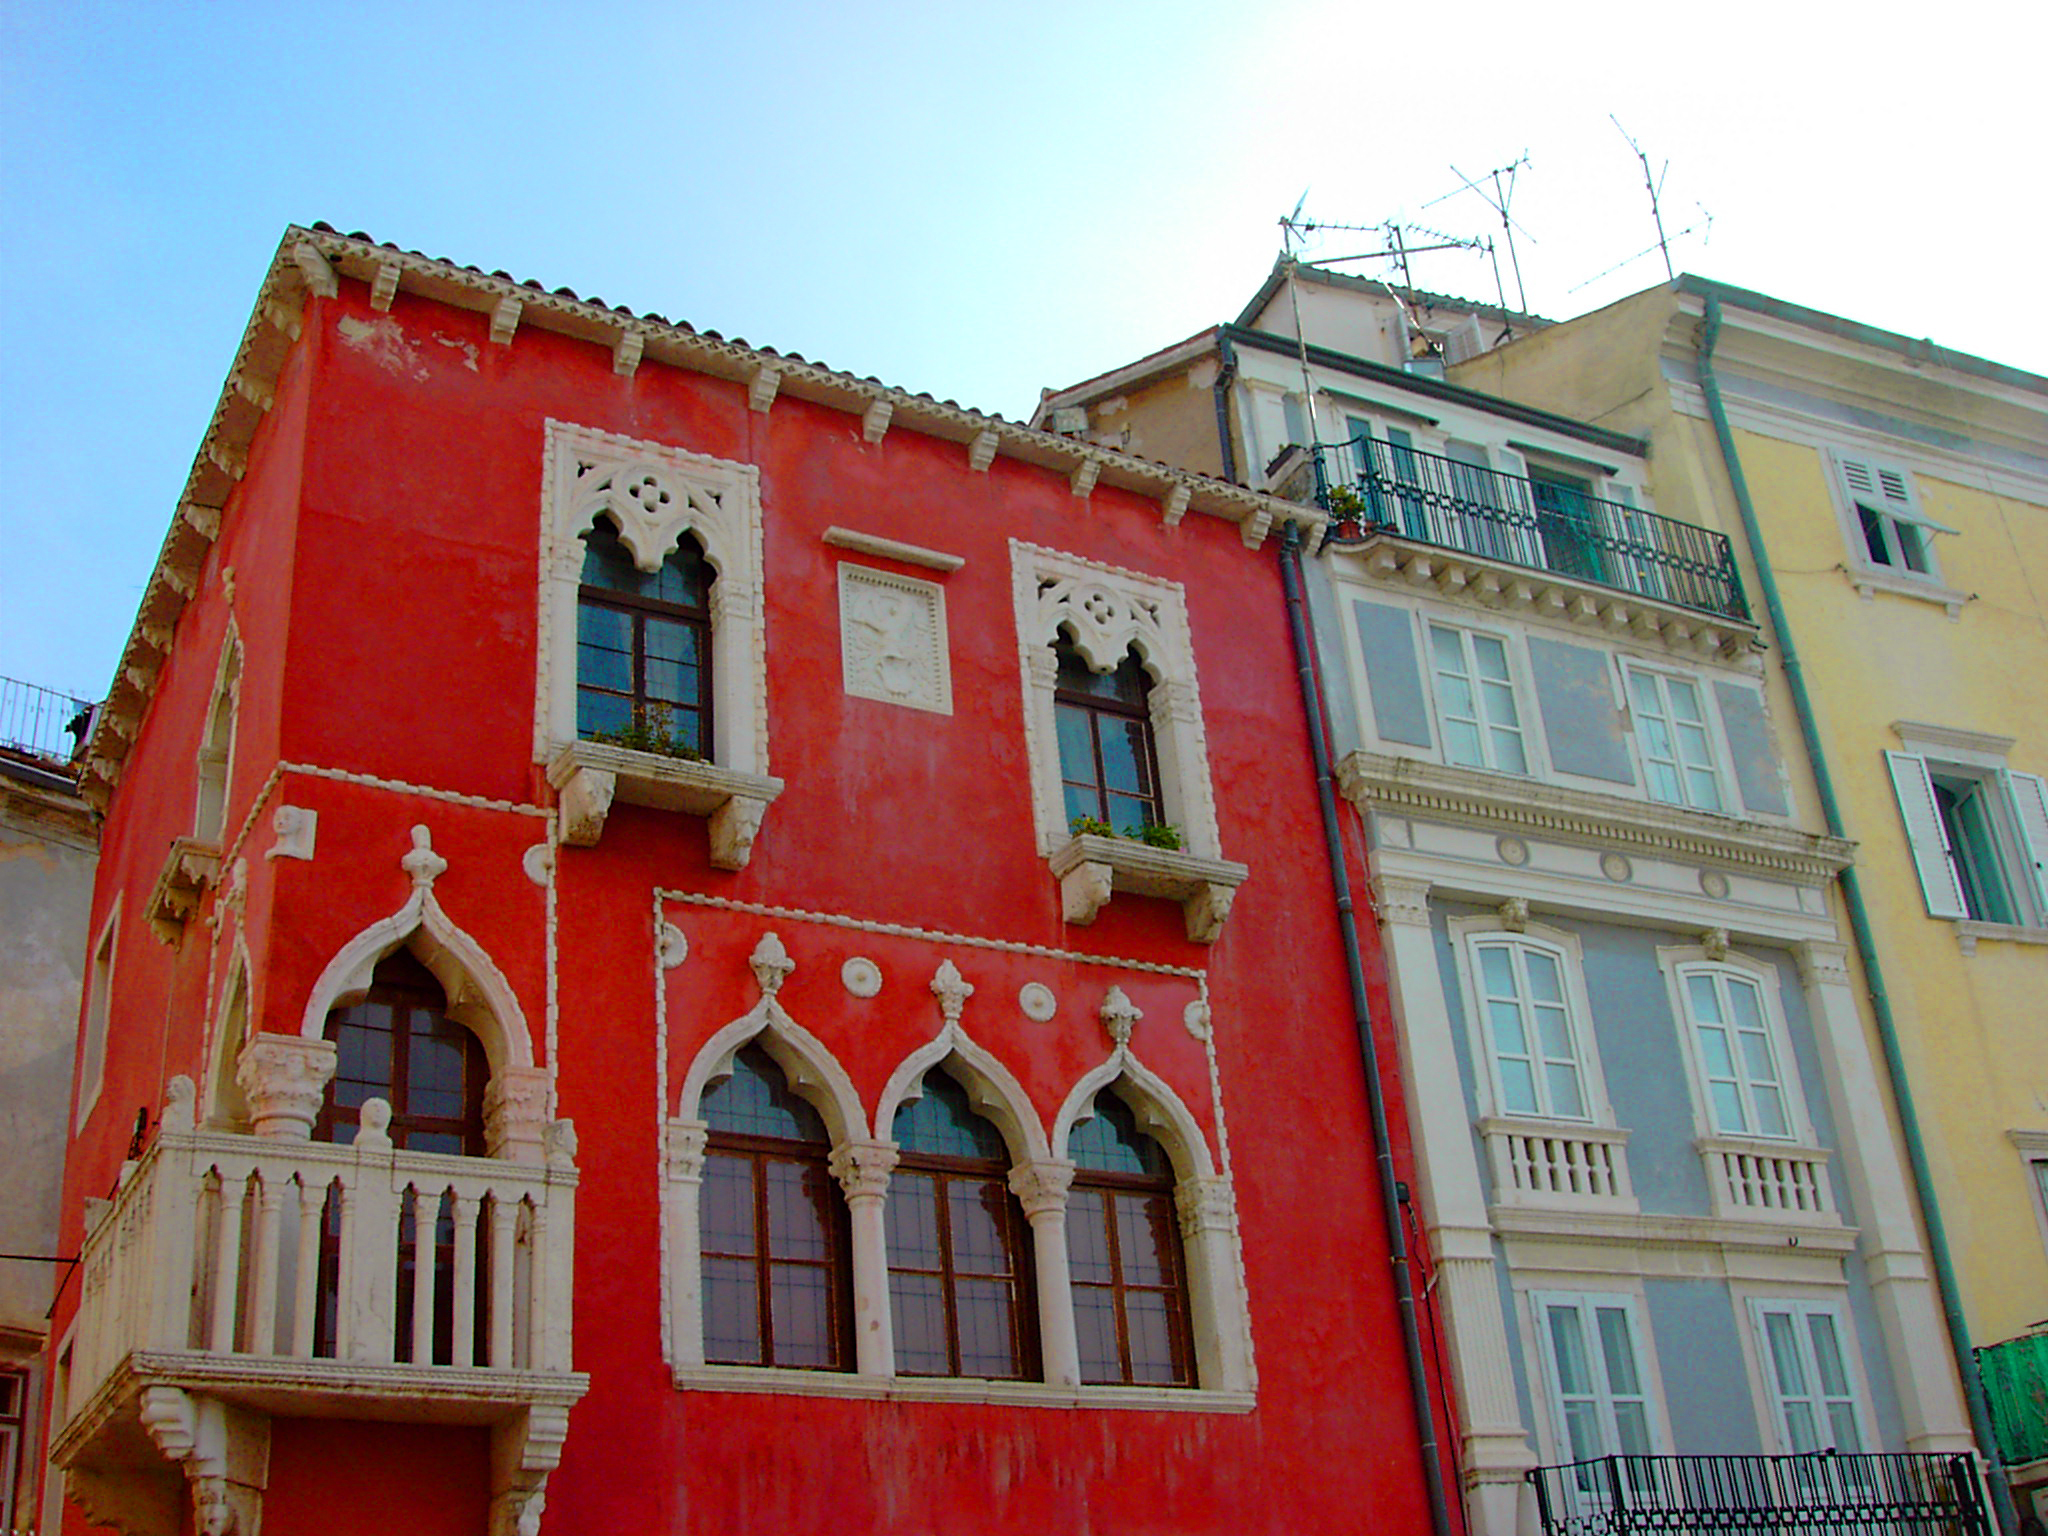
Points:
[[1978, 838]]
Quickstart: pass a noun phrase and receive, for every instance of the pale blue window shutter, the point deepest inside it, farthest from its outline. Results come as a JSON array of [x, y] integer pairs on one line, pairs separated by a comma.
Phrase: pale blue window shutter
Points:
[[1925, 836], [2030, 799]]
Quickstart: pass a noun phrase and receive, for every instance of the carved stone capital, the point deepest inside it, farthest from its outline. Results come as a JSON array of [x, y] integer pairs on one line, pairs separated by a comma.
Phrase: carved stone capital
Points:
[[863, 1168], [282, 1078], [685, 1150], [585, 801], [1402, 902], [1205, 1205], [1822, 964], [516, 1113], [1041, 1187]]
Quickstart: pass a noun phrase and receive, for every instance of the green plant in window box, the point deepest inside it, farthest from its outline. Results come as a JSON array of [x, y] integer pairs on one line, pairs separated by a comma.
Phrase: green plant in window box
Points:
[[649, 732], [1155, 835]]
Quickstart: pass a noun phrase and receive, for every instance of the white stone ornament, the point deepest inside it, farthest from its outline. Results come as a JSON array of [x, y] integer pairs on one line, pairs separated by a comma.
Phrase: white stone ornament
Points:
[[295, 827], [1197, 1019], [892, 639], [771, 964], [1037, 1001], [1119, 1015], [861, 976], [423, 864], [951, 990], [539, 863], [673, 946]]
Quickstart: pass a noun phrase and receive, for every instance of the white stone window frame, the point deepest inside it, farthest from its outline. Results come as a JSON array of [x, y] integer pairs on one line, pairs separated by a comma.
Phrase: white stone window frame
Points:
[[1467, 934], [99, 1001], [1108, 612], [2033, 1151], [863, 1157], [1682, 960], [1752, 1300], [1710, 716], [588, 473], [214, 784], [1532, 1294], [2019, 815], [1529, 724]]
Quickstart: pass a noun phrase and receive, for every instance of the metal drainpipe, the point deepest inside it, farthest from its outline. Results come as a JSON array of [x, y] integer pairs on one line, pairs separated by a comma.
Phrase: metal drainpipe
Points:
[[1226, 375], [1859, 927], [1361, 1015]]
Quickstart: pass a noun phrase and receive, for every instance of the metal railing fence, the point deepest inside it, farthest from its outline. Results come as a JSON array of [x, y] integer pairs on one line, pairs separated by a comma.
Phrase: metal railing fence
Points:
[[38, 720]]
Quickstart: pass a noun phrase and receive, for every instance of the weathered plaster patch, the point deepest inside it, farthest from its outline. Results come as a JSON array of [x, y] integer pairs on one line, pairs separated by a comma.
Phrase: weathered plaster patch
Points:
[[384, 343]]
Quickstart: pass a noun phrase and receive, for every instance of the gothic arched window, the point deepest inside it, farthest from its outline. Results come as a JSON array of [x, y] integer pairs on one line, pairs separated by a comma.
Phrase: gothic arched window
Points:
[[1124, 1254], [643, 647]]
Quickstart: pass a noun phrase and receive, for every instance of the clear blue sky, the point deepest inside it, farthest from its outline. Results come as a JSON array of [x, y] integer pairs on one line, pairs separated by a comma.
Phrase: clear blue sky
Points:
[[969, 200]]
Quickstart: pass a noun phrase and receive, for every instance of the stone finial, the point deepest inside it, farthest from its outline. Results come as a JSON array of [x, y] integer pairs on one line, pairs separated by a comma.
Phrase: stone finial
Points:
[[423, 864], [951, 990], [1119, 1015], [771, 964], [181, 1099], [558, 1142]]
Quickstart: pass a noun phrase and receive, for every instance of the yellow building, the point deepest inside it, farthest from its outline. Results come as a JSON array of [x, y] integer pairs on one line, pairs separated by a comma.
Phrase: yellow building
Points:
[[1888, 499]]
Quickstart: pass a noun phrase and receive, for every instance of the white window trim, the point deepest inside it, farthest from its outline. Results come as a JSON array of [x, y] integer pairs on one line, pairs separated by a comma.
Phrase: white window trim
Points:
[[1866, 574], [1763, 1376], [209, 825], [2022, 848], [99, 999], [2033, 1150], [1465, 932], [1528, 724], [1109, 611], [719, 501], [1676, 962], [1543, 1367], [1710, 717]]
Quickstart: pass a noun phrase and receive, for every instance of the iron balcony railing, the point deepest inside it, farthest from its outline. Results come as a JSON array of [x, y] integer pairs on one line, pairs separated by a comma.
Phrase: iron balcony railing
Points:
[[39, 721], [2015, 1377], [1817, 1495], [1532, 523]]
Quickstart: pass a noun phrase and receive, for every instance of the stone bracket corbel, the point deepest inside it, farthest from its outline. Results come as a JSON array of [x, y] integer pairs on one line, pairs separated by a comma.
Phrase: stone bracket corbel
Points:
[[524, 1450], [586, 801], [1090, 868], [224, 1451]]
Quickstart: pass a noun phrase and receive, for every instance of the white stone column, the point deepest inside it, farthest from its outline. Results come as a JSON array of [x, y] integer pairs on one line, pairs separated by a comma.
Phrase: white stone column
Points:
[[284, 1078], [685, 1144], [863, 1169], [1041, 1188], [1873, 1161], [1496, 1444], [1208, 1233]]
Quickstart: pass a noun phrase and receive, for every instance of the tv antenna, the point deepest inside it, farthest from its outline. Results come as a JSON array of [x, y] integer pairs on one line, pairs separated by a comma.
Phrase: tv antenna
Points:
[[1654, 185], [1502, 195]]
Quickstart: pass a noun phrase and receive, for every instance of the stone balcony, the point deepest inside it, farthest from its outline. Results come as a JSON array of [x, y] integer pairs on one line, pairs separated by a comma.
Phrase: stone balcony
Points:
[[234, 1277]]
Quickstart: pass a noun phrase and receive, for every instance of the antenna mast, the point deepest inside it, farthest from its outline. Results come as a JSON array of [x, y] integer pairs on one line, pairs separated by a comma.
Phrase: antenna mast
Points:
[[1655, 186]]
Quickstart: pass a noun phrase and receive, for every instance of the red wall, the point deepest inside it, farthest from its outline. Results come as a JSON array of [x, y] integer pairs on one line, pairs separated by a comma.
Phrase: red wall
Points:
[[385, 545]]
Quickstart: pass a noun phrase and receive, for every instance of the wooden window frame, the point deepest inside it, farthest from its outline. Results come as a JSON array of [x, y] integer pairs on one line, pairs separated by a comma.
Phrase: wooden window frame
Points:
[[837, 1265], [1180, 1327], [1095, 708], [404, 1123], [1715, 766], [639, 609], [945, 1172], [1577, 1024], [1486, 725]]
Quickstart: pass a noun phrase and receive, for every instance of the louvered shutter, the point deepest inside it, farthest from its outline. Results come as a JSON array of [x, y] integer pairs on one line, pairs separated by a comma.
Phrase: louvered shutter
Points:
[[1878, 485], [2030, 799], [1924, 835]]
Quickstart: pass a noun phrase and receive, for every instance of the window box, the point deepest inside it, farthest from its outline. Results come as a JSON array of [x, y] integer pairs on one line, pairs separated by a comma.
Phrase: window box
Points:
[[1089, 868], [588, 775]]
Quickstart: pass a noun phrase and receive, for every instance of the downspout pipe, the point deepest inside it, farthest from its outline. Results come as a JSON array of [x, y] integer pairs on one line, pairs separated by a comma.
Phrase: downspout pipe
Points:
[[1361, 1015], [1859, 927], [1226, 376]]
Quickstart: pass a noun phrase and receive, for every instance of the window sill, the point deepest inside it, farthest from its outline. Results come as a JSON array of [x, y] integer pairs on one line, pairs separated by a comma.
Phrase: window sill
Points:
[[588, 775], [1089, 868], [189, 869], [1969, 931], [1869, 579], [932, 1389]]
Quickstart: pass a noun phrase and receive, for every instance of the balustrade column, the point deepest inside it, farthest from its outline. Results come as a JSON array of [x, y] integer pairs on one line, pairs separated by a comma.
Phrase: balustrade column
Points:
[[306, 1300], [504, 1216], [269, 1234], [463, 1311], [863, 1168], [227, 1265], [426, 1215]]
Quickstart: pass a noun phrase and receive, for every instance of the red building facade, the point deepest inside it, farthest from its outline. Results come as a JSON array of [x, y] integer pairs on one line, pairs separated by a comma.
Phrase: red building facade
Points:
[[630, 1034]]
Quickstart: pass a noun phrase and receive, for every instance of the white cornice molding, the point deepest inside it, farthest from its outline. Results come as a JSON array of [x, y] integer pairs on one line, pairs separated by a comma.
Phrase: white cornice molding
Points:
[[1608, 1230], [1382, 782], [1915, 734]]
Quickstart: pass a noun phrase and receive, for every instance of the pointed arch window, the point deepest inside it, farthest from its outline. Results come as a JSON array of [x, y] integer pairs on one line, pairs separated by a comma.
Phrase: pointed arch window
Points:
[[643, 647], [217, 747], [1129, 1275], [959, 1249], [1109, 764], [774, 1240]]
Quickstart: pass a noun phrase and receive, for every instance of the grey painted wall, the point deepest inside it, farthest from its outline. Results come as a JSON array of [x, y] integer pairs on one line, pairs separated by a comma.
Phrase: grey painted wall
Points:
[[1698, 1348], [1575, 688], [1327, 636], [1757, 773], [1387, 638], [47, 857]]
